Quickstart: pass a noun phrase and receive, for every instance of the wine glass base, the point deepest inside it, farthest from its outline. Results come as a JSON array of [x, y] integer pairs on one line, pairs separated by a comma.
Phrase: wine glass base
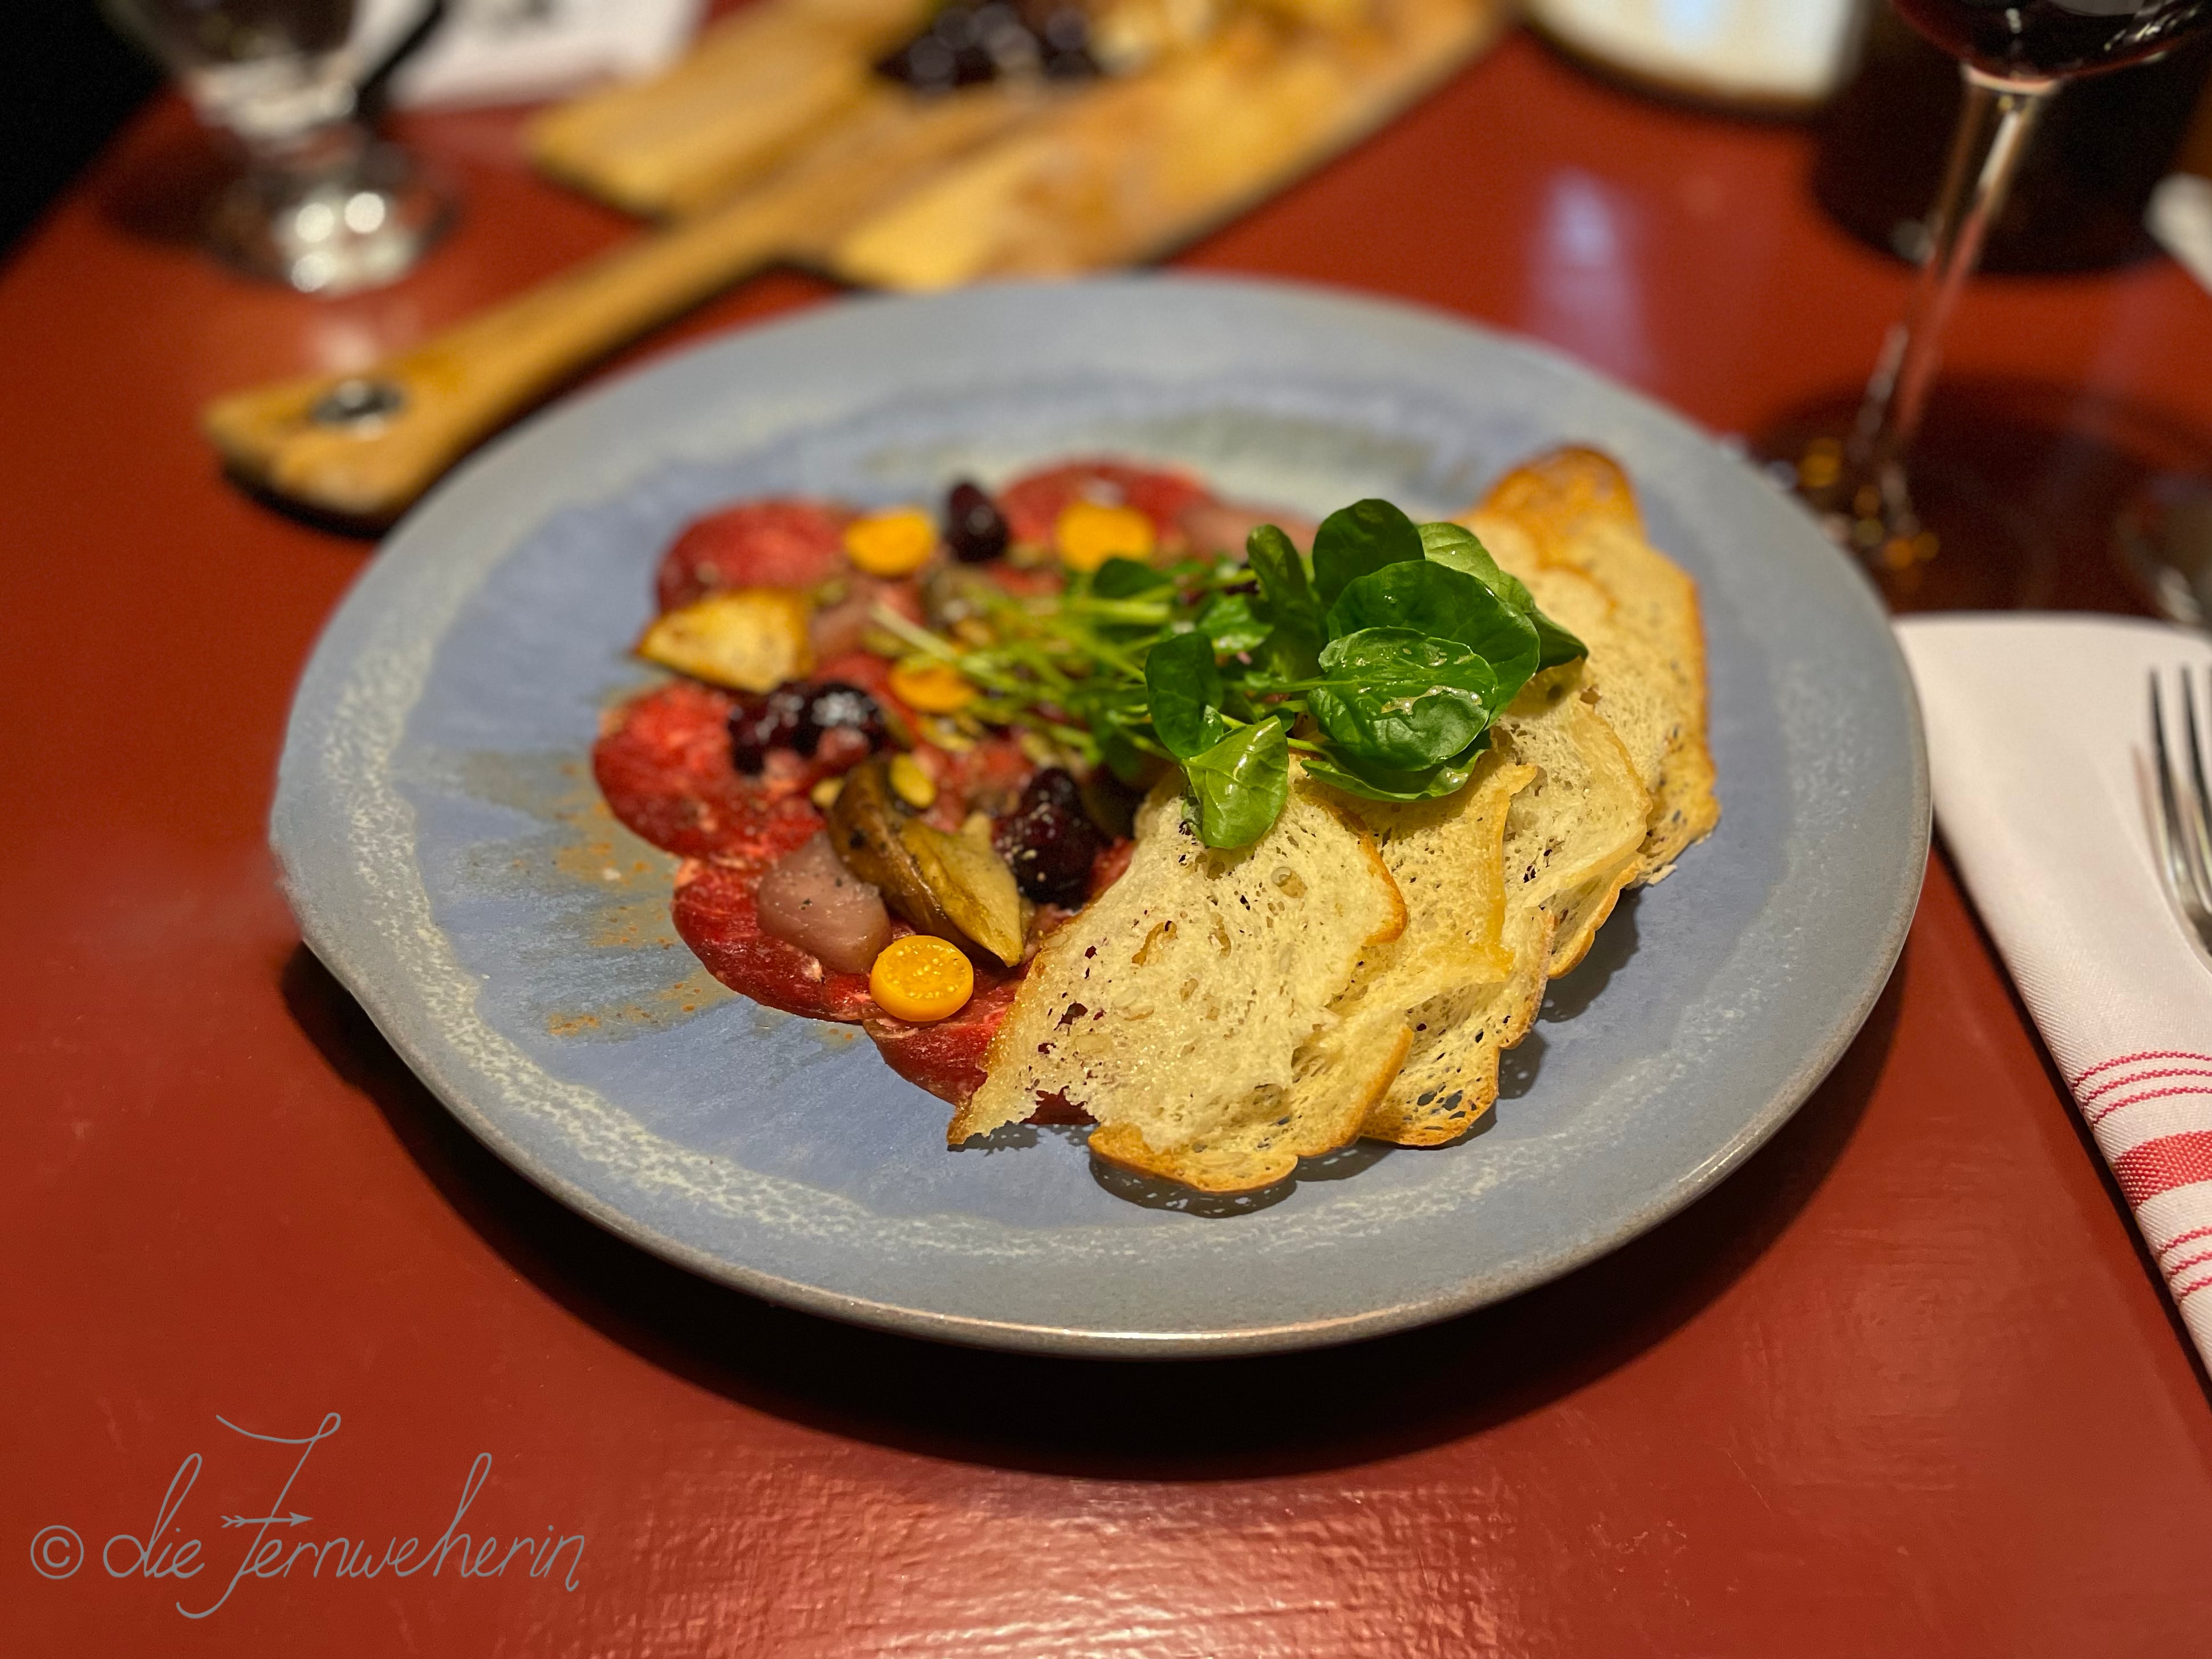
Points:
[[2164, 539], [1952, 536], [331, 229]]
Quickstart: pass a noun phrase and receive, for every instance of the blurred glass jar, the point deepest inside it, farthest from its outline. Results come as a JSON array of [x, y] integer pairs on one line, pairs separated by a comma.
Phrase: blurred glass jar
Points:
[[1777, 56], [323, 206]]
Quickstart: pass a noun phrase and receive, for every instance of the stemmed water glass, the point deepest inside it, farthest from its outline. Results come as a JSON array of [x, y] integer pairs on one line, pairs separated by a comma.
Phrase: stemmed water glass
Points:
[[324, 205], [2014, 56]]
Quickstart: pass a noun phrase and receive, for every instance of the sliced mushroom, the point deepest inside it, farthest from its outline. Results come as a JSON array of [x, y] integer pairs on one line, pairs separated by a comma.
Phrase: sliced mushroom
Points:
[[973, 885], [942, 884], [863, 830]]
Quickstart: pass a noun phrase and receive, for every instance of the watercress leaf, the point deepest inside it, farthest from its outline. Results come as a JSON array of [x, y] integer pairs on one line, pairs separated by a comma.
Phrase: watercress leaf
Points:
[[1376, 783], [1228, 621], [1292, 651], [1400, 699], [1124, 579], [1557, 645], [1184, 689], [1123, 757], [1450, 604], [1241, 783], [1281, 573], [1354, 540], [1457, 547]]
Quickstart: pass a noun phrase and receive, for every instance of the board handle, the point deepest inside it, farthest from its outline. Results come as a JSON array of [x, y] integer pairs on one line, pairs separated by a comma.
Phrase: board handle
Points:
[[363, 446]]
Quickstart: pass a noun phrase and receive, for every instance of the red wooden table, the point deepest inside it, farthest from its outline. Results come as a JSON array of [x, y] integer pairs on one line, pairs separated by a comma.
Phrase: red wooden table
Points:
[[1903, 1384]]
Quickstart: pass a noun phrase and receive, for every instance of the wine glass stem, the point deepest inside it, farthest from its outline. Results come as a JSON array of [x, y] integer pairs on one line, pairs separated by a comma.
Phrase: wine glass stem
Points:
[[1985, 154]]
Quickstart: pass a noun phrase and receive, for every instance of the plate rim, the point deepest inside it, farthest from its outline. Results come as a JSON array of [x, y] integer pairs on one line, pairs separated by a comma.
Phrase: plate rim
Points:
[[324, 933]]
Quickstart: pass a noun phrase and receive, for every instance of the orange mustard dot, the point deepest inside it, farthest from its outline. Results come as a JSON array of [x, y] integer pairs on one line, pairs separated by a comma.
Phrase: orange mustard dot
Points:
[[931, 688], [894, 543], [1087, 535], [921, 979]]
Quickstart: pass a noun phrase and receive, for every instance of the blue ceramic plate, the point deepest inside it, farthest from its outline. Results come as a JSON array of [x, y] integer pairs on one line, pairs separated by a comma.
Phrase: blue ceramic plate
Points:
[[448, 856]]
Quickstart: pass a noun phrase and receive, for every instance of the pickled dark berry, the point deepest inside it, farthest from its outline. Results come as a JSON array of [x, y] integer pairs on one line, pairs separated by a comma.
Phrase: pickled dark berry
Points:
[[833, 705], [766, 721], [1048, 841], [974, 529]]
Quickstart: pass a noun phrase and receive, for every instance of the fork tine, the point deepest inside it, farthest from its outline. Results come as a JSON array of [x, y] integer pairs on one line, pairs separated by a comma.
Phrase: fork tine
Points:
[[2180, 876], [2200, 820]]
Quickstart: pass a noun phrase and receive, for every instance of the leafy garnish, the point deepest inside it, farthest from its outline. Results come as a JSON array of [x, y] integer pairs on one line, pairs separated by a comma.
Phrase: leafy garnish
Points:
[[1402, 699], [1241, 784], [1185, 689], [1377, 783], [1383, 662], [1355, 540], [1458, 548], [1442, 601]]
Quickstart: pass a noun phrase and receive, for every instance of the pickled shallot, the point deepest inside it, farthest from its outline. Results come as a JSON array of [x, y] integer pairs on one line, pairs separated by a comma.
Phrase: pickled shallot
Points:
[[810, 899]]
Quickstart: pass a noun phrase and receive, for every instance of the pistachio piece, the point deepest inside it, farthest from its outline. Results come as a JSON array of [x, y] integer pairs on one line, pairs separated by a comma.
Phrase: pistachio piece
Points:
[[911, 784]]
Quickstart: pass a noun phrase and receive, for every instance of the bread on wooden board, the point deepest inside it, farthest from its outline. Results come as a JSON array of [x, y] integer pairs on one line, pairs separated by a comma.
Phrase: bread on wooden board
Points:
[[1137, 164], [1169, 1003], [756, 89]]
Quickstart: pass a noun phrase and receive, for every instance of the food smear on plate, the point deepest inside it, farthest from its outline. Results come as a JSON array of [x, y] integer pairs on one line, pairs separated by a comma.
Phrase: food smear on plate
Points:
[[1096, 798]]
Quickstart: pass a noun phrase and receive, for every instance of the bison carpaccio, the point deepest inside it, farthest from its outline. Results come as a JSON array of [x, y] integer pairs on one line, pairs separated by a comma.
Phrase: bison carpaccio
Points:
[[663, 761]]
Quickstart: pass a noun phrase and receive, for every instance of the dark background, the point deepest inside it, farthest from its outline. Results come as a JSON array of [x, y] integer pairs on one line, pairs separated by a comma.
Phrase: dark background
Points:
[[67, 81]]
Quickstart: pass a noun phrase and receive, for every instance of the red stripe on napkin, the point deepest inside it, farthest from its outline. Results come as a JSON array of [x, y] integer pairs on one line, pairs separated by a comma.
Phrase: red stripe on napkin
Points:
[[2112, 1082], [2104, 1112], [2183, 1238], [2129, 1060], [2159, 1166]]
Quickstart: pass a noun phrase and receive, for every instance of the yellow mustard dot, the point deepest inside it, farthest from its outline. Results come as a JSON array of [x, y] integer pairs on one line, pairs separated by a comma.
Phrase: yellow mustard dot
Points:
[[894, 543], [921, 979], [1087, 535], [911, 784], [931, 688]]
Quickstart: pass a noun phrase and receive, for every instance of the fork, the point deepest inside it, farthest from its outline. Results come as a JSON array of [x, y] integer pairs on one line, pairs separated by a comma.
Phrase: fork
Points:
[[2187, 815]]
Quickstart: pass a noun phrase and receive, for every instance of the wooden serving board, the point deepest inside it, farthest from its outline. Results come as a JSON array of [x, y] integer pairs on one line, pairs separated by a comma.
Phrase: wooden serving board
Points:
[[869, 183]]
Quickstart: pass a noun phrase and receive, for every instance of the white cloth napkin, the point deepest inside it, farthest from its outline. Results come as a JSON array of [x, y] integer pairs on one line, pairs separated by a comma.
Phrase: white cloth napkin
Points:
[[515, 52], [2039, 744], [2179, 215]]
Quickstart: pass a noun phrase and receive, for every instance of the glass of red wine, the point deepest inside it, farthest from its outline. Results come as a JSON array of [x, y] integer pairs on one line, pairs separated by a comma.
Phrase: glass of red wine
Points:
[[2014, 55]]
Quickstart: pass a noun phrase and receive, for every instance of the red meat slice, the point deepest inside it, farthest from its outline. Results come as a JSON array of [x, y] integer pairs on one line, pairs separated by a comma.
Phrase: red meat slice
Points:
[[779, 543], [715, 914], [945, 1058], [1032, 505], [664, 765]]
